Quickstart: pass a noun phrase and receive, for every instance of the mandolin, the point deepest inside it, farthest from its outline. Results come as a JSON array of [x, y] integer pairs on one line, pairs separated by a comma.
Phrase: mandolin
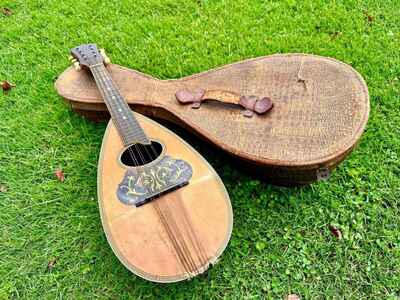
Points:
[[164, 210], [290, 118]]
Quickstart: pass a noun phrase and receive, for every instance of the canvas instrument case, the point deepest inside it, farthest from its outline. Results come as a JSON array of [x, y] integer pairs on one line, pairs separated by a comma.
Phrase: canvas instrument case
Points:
[[291, 118]]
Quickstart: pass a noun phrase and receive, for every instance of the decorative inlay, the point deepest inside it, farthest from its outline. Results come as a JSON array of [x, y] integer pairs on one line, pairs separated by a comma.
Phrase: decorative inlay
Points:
[[141, 185]]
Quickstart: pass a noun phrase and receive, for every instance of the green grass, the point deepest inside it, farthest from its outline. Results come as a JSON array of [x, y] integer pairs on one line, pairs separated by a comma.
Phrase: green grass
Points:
[[281, 242]]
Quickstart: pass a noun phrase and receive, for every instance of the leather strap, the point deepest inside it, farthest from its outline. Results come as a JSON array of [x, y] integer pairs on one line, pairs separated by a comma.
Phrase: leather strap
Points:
[[250, 103]]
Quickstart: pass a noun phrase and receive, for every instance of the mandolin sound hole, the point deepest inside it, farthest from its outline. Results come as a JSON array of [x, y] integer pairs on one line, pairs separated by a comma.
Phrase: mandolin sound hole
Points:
[[139, 154]]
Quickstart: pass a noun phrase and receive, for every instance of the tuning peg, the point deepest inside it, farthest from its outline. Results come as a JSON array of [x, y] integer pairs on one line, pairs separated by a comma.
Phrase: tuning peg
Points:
[[77, 66], [105, 57]]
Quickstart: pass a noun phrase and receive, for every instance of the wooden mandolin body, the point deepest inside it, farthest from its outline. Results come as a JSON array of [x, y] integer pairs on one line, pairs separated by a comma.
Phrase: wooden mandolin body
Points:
[[321, 108], [175, 236]]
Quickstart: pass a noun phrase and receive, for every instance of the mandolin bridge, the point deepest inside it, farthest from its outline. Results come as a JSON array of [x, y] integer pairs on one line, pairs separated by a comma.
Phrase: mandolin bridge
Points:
[[142, 184]]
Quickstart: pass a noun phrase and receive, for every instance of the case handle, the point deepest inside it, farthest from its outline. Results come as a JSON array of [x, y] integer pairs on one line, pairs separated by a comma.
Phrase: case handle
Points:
[[250, 103]]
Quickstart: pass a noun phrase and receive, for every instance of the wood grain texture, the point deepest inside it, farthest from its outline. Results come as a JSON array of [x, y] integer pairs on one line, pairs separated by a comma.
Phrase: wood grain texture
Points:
[[321, 108], [199, 215]]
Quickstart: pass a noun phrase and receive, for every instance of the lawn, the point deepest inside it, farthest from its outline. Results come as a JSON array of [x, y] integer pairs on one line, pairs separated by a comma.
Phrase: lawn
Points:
[[51, 241]]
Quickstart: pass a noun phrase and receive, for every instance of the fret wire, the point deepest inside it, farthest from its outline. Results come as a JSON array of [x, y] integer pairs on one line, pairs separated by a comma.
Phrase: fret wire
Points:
[[130, 129], [111, 90], [107, 91], [115, 93], [108, 103], [129, 119], [104, 89], [111, 103], [114, 96]]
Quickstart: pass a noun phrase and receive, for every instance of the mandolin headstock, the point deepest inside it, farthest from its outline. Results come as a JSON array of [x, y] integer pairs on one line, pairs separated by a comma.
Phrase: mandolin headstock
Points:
[[87, 55]]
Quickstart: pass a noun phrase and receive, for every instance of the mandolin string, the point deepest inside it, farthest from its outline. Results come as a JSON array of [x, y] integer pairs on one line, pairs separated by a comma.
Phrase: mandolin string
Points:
[[182, 249], [183, 245], [178, 237], [109, 78], [174, 241], [106, 76], [202, 255], [136, 162], [104, 70], [101, 80], [178, 240], [192, 236], [191, 268], [170, 235], [102, 83], [183, 257]]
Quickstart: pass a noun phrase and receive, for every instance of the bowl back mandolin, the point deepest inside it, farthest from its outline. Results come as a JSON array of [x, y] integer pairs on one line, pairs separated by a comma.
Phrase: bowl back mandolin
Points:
[[165, 211], [291, 117]]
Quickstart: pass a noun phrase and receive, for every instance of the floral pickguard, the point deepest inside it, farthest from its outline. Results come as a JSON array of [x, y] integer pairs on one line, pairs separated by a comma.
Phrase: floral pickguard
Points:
[[141, 185]]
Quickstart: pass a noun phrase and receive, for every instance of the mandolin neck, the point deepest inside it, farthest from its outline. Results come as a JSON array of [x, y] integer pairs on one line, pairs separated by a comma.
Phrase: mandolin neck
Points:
[[128, 127]]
